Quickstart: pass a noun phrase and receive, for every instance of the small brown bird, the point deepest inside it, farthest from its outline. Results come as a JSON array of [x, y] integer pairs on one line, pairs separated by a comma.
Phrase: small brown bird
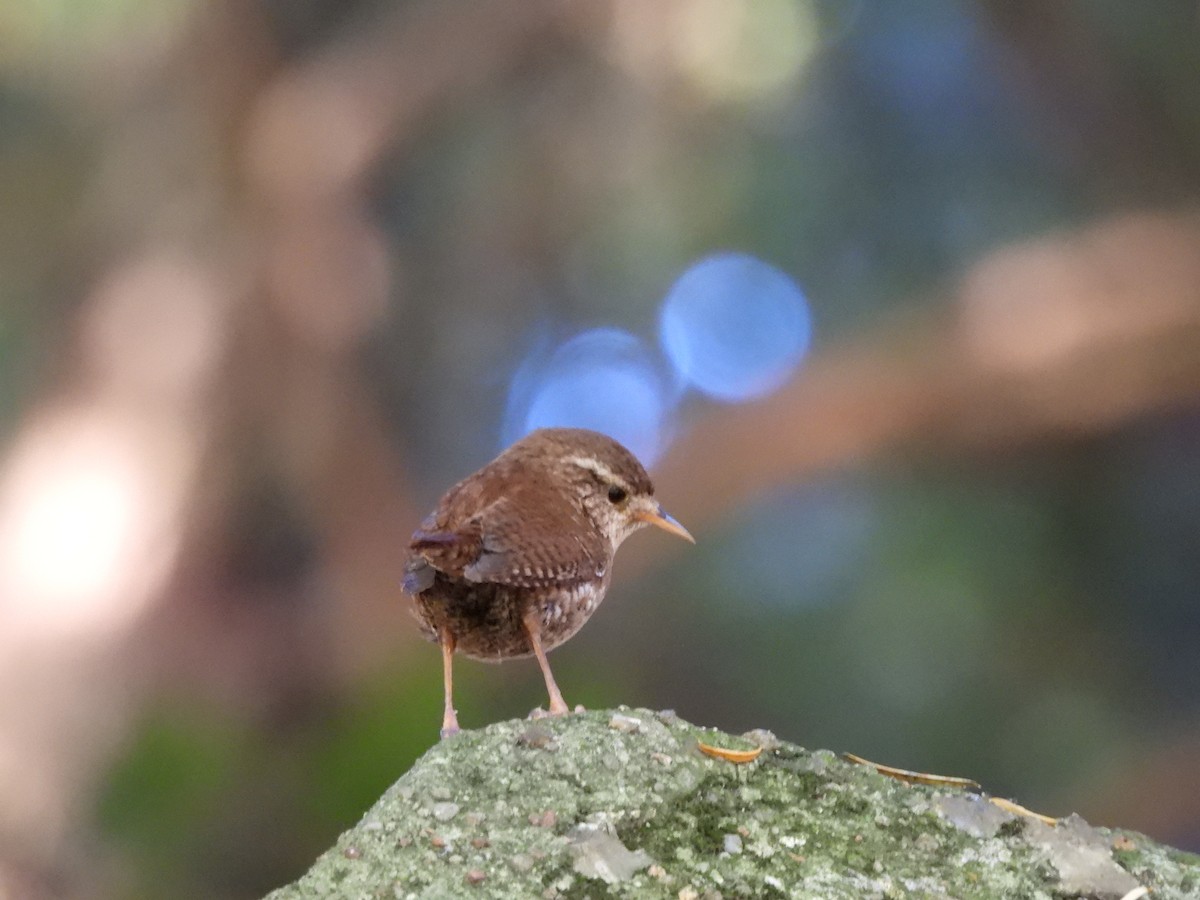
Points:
[[517, 556]]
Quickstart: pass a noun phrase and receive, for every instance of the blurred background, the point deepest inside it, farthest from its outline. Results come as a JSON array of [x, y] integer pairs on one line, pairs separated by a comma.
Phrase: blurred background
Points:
[[902, 302]]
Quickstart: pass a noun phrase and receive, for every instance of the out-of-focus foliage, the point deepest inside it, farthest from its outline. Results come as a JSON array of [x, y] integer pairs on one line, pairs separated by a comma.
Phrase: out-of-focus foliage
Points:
[[274, 275]]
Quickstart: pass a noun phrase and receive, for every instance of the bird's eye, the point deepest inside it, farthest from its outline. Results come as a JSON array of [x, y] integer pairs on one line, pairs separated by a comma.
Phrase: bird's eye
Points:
[[616, 494]]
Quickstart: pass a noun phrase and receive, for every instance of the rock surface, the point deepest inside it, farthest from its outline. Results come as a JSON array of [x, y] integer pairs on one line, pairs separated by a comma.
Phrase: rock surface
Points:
[[623, 804]]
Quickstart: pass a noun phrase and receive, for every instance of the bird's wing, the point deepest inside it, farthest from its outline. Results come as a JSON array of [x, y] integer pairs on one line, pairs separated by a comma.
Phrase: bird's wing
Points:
[[523, 538], [438, 546]]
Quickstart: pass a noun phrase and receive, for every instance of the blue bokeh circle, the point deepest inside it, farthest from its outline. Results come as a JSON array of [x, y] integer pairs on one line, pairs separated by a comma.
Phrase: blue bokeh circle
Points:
[[604, 379], [735, 327]]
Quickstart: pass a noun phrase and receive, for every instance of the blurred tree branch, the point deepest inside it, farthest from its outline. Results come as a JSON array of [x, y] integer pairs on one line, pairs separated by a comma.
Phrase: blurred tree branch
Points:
[[1058, 338]]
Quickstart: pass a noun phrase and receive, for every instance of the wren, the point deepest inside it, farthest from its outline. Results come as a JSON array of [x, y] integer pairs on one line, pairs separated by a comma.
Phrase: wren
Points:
[[516, 557]]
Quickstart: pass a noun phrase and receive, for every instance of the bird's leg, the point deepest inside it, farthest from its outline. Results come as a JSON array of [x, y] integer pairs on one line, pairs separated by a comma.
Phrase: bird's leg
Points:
[[449, 718], [533, 628]]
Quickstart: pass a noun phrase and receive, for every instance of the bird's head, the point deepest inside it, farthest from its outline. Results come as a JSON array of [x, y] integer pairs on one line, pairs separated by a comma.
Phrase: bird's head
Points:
[[611, 485]]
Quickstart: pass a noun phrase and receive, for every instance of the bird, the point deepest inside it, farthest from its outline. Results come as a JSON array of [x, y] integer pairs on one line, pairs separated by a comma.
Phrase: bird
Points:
[[516, 557]]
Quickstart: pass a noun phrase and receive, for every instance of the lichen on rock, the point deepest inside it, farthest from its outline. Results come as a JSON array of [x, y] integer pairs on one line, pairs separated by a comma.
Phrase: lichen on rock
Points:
[[623, 804]]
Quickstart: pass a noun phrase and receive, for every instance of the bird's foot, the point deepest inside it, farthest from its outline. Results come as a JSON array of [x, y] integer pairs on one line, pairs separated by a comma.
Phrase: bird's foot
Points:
[[450, 732]]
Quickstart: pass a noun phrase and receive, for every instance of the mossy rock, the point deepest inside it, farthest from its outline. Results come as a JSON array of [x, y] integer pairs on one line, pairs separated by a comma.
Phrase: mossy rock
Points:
[[625, 804]]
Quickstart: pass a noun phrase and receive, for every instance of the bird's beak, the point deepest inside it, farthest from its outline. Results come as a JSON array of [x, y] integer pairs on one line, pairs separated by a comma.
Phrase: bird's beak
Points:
[[658, 516]]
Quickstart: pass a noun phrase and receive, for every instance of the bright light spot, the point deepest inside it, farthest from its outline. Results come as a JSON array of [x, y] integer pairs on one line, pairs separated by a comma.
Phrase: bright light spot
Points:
[[741, 49], [72, 533], [602, 379], [85, 530], [734, 326]]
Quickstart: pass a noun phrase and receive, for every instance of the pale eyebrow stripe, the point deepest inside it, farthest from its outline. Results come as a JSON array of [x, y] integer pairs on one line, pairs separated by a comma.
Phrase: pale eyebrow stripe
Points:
[[597, 467]]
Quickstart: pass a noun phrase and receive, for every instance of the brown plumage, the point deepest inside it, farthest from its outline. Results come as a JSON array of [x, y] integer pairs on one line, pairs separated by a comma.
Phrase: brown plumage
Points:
[[516, 557]]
